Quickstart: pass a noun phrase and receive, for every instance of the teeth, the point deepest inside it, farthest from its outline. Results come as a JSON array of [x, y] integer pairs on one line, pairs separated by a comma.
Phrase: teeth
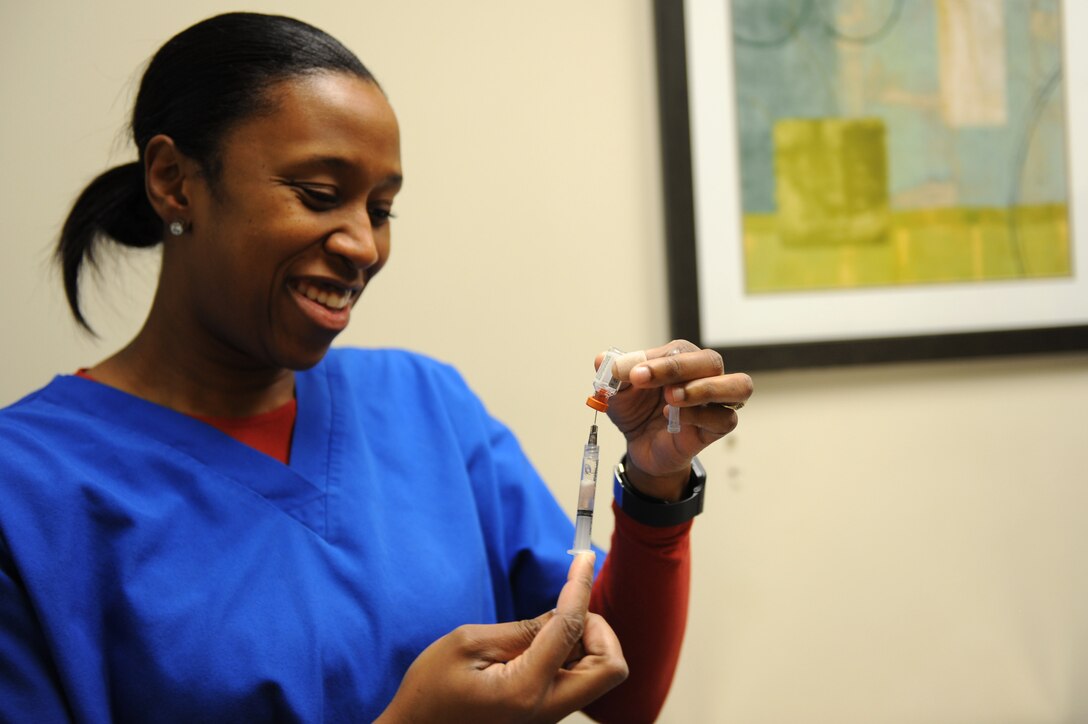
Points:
[[331, 298]]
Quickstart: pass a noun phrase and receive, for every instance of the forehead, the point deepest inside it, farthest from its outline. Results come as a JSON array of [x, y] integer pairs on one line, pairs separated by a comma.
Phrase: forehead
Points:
[[339, 118]]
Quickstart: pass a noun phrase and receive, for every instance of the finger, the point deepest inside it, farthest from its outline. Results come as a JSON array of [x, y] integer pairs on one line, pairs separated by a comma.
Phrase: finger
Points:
[[625, 362], [732, 390], [506, 641], [557, 637], [501, 642], [675, 368], [600, 640], [711, 422], [668, 348], [601, 668], [575, 655]]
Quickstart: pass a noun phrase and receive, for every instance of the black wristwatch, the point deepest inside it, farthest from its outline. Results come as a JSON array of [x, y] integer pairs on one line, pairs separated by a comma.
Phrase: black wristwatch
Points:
[[654, 511]]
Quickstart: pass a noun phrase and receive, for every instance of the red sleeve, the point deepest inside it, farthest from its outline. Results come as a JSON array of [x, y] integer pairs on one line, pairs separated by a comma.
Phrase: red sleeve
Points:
[[642, 591]]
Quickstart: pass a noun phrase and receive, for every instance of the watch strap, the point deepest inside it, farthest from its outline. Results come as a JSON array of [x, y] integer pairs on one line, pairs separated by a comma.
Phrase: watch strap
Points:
[[654, 511]]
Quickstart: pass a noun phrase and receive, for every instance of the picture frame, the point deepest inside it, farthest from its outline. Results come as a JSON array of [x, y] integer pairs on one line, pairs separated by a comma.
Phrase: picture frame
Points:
[[708, 301]]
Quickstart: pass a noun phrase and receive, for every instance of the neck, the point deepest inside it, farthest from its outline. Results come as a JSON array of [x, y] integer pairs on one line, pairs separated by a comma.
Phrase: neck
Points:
[[163, 365]]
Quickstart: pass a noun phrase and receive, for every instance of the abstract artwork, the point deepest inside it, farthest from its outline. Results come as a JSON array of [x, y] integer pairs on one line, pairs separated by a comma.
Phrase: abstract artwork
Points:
[[857, 181], [890, 142]]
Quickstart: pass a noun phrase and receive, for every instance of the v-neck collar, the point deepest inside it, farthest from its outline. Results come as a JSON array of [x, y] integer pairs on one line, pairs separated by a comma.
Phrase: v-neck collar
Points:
[[300, 489]]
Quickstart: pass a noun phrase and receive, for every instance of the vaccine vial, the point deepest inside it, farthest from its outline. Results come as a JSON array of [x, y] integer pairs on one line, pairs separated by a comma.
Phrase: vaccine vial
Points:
[[605, 384]]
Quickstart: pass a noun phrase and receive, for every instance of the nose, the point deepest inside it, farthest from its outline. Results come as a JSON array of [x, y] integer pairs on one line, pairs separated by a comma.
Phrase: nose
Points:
[[355, 243]]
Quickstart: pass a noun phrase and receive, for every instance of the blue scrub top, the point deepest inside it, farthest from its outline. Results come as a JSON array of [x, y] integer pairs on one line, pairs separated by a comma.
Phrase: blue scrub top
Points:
[[154, 569]]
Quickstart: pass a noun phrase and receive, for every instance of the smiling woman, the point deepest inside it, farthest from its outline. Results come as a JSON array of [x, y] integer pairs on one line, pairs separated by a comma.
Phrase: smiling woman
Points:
[[280, 242], [209, 524]]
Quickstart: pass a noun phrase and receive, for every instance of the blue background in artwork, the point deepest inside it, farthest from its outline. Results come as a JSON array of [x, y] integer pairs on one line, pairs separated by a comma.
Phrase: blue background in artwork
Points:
[[786, 56]]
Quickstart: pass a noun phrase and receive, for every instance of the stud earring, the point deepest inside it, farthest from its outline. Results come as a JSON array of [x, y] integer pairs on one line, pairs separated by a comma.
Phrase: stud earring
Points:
[[177, 228]]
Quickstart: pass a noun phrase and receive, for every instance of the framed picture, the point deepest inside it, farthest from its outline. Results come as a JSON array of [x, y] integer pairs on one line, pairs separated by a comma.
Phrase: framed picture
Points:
[[861, 181]]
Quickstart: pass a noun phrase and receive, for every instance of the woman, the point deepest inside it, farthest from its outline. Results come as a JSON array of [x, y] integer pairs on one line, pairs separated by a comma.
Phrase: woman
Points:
[[228, 521]]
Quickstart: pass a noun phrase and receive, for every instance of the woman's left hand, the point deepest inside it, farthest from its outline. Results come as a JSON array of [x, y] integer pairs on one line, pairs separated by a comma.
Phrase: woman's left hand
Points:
[[695, 381]]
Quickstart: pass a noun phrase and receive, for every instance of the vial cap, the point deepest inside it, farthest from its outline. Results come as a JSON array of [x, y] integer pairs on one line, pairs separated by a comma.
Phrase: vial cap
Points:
[[598, 404]]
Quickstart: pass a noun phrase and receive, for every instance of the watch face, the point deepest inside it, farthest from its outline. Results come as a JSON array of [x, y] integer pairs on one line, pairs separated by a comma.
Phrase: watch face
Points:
[[698, 472]]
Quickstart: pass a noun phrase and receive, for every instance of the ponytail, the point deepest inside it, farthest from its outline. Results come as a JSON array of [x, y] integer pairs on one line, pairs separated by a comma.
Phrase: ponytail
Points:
[[114, 206]]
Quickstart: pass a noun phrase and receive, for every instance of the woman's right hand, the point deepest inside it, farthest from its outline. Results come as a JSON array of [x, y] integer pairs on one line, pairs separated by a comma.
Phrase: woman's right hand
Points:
[[538, 670]]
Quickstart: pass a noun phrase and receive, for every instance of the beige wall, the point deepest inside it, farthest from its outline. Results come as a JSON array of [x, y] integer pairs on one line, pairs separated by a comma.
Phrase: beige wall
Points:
[[890, 544]]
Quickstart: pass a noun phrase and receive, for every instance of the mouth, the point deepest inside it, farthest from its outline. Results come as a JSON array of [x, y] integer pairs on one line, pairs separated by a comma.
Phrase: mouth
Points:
[[330, 296], [326, 304]]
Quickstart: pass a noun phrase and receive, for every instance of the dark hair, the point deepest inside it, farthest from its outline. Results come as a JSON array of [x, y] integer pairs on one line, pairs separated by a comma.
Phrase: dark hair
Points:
[[201, 82]]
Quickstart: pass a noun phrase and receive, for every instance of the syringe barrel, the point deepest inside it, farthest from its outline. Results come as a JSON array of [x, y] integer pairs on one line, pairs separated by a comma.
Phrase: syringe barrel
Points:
[[583, 525], [587, 486], [587, 489]]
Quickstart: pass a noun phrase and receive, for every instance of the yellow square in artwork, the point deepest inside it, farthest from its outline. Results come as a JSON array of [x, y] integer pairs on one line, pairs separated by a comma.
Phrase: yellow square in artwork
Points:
[[831, 181]]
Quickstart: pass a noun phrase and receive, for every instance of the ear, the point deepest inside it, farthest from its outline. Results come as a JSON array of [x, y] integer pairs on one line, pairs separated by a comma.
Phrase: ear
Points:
[[168, 175]]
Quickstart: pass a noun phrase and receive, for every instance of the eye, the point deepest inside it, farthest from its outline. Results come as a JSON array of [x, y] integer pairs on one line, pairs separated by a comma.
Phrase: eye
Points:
[[318, 197], [380, 215]]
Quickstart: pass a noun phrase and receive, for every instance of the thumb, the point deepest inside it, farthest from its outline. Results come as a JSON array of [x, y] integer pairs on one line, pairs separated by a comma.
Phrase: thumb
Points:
[[564, 627]]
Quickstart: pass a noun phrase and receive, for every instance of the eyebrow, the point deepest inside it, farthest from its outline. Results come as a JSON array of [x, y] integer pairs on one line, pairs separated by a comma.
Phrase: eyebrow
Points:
[[334, 162], [337, 163], [393, 180]]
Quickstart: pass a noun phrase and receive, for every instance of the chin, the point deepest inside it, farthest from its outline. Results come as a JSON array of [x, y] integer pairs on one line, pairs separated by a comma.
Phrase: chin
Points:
[[301, 363], [299, 358], [294, 349]]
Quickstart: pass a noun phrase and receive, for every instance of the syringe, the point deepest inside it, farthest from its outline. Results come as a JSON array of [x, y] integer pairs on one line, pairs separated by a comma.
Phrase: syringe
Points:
[[587, 491]]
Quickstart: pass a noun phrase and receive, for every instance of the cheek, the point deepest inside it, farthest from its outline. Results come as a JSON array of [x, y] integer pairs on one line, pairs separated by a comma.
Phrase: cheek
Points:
[[243, 274]]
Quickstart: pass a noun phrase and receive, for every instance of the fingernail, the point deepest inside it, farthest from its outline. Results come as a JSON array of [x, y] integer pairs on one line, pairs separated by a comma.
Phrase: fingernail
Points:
[[677, 394], [640, 374]]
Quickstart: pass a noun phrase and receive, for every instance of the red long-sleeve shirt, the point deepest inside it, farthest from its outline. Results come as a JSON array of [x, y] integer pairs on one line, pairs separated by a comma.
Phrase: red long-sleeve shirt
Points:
[[642, 591]]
